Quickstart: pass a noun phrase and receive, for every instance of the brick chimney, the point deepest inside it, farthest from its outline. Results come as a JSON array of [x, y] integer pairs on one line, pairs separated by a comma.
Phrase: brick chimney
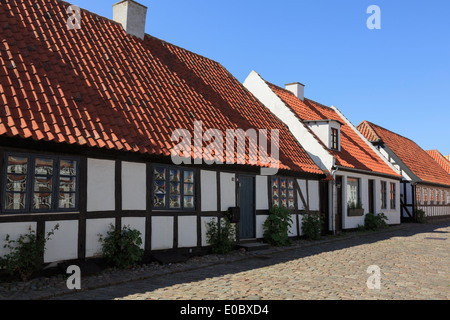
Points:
[[297, 89], [132, 16]]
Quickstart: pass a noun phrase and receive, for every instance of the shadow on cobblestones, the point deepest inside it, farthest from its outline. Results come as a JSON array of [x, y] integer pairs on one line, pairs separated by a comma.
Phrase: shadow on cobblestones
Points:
[[189, 279]]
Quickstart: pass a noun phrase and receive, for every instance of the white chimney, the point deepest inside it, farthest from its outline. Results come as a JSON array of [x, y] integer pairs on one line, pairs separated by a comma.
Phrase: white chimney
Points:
[[132, 16], [297, 89]]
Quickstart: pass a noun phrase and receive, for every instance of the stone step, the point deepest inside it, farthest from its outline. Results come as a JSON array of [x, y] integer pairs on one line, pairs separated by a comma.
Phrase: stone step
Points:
[[253, 246]]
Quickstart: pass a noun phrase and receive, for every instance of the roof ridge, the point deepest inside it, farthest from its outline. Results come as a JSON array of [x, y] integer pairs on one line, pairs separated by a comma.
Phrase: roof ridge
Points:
[[313, 101], [90, 12], [372, 124]]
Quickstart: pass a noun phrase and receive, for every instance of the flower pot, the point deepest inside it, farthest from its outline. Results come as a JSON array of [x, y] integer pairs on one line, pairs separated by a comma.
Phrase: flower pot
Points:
[[355, 212]]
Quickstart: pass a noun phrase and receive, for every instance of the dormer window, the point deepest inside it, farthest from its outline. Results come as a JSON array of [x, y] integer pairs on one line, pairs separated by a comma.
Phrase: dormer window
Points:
[[328, 131], [334, 139]]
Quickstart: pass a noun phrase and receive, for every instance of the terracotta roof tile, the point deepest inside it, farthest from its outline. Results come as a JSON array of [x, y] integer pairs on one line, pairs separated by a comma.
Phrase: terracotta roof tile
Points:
[[99, 87], [355, 153], [440, 159], [413, 156]]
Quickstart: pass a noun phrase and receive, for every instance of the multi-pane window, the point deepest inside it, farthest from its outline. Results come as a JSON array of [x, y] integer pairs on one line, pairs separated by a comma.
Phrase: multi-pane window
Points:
[[425, 195], [419, 195], [392, 195], [438, 196], [431, 196], [173, 188], [283, 192], [383, 195], [334, 139], [353, 192], [35, 183]]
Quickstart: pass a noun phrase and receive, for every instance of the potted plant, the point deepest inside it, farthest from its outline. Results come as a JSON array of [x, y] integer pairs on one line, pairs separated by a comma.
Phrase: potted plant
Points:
[[355, 209]]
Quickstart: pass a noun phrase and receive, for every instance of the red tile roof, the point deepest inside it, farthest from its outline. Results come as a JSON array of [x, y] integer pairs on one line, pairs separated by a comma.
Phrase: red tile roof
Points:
[[440, 159], [413, 156], [99, 87], [355, 153]]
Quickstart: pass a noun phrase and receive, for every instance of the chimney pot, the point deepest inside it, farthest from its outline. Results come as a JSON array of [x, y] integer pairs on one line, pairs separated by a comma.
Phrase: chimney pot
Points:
[[297, 89], [132, 16]]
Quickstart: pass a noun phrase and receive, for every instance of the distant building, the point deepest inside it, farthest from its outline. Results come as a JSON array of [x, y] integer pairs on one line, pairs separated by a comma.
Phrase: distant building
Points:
[[425, 185]]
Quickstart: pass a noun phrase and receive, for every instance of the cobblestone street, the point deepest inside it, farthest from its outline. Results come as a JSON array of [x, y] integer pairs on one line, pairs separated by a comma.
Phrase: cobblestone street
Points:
[[414, 263]]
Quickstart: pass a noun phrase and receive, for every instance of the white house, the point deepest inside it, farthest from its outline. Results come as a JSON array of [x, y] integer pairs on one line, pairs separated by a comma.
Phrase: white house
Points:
[[361, 175]]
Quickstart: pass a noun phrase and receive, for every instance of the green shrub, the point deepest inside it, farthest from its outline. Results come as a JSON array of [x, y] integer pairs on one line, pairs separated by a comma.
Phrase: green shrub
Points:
[[276, 227], [420, 216], [221, 239], [26, 254], [375, 221], [121, 248], [312, 225]]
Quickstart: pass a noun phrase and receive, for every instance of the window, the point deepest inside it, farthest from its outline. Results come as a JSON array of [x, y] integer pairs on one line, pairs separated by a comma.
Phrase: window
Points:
[[383, 195], [442, 197], [35, 183], [431, 196], [283, 192], [419, 197], [173, 188], [353, 192], [425, 195], [334, 139], [392, 195]]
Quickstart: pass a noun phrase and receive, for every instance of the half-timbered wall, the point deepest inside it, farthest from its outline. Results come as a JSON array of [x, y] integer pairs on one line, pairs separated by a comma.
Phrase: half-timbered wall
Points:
[[432, 199], [119, 193]]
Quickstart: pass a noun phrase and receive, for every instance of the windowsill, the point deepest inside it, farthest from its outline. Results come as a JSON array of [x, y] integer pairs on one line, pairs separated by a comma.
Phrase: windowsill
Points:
[[10, 214]]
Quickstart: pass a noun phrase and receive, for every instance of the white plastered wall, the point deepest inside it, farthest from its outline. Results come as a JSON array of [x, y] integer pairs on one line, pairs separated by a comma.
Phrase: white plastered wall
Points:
[[100, 185], [63, 245], [134, 186], [187, 231], [227, 190], [208, 181], [162, 233]]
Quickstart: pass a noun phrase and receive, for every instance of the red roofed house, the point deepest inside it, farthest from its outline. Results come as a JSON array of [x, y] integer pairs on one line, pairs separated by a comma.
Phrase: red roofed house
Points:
[[425, 184], [88, 107], [362, 176], [440, 159]]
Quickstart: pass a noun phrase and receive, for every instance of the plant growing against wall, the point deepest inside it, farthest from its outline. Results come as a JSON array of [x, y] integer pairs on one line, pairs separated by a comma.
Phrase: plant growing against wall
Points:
[[26, 253], [420, 216], [312, 225], [375, 221], [276, 226], [221, 236], [122, 248]]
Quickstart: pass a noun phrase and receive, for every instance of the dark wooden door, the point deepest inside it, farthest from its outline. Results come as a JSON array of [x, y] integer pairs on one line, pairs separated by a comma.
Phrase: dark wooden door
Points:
[[247, 207], [324, 205], [371, 196], [338, 217]]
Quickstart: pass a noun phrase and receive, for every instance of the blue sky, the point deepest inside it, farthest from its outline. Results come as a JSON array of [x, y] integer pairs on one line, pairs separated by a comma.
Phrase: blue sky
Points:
[[397, 77]]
